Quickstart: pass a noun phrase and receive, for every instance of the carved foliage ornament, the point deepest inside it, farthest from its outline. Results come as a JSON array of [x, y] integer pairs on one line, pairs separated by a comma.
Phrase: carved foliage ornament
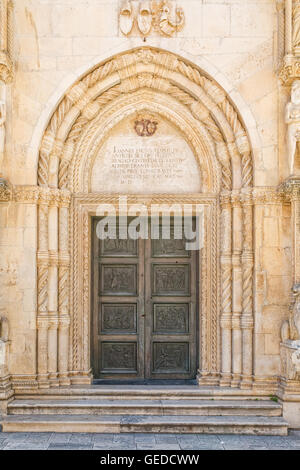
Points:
[[5, 191], [147, 15]]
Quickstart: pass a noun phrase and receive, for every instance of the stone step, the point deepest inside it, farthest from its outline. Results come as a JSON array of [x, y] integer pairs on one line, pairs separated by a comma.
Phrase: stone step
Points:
[[142, 392], [146, 424], [88, 406]]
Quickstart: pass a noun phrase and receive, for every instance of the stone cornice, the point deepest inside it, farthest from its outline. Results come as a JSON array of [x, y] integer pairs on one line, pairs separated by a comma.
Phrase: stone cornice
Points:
[[39, 195], [31, 194]]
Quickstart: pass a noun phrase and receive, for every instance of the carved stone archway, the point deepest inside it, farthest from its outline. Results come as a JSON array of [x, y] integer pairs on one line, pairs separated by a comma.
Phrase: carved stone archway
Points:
[[209, 121]]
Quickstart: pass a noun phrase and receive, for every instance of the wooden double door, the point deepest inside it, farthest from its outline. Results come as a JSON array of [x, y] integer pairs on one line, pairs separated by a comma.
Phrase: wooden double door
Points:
[[144, 321]]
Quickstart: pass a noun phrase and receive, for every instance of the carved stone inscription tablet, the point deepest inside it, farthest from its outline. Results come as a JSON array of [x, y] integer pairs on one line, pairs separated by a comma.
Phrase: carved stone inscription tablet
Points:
[[130, 164]]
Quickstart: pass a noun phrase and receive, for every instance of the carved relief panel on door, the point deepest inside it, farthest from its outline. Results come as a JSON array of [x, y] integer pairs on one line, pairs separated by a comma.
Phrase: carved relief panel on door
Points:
[[144, 317]]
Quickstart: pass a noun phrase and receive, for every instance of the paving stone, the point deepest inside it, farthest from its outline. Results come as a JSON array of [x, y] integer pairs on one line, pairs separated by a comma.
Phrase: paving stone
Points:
[[113, 446], [274, 442], [60, 437], [39, 438], [167, 447], [103, 438], [24, 446], [145, 439], [294, 443], [208, 439], [258, 448], [2, 443], [188, 442], [145, 446], [16, 436], [81, 438], [126, 439], [166, 439], [69, 446]]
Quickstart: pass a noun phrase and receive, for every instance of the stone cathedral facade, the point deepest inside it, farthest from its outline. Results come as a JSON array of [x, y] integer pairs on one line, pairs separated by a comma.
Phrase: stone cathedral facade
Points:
[[164, 102]]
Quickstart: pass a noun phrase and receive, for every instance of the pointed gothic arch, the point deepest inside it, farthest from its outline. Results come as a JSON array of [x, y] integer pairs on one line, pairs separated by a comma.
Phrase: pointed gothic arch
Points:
[[210, 122]]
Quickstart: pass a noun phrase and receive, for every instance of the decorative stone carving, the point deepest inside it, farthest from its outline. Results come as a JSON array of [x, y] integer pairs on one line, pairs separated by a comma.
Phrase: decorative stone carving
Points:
[[168, 63], [5, 191], [157, 14], [6, 69], [2, 122], [290, 329], [145, 127], [290, 69], [209, 109], [145, 18], [126, 17], [290, 360], [296, 25], [166, 26], [292, 119]]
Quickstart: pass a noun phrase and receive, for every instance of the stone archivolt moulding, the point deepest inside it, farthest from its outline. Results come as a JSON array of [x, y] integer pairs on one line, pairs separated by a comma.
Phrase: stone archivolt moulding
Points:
[[6, 35], [156, 81]]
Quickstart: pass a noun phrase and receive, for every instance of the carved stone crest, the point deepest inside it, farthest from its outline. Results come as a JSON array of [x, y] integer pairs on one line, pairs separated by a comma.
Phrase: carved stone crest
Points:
[[145, 127], [159, 15]]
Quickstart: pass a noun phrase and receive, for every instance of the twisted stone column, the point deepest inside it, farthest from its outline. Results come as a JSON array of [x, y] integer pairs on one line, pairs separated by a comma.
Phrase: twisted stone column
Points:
[[42, 288], [226, 273], [53, 288], [288, 27], [247, 320], [64, 290], [237, 287]]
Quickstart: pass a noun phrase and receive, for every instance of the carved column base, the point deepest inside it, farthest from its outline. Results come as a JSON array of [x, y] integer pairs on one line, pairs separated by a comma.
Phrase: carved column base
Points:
[[43, 381], [247, 382], [53, 380], [225, 380], [64, 380], [236, 380], [6, 393], [205, 378], [81, 377]]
